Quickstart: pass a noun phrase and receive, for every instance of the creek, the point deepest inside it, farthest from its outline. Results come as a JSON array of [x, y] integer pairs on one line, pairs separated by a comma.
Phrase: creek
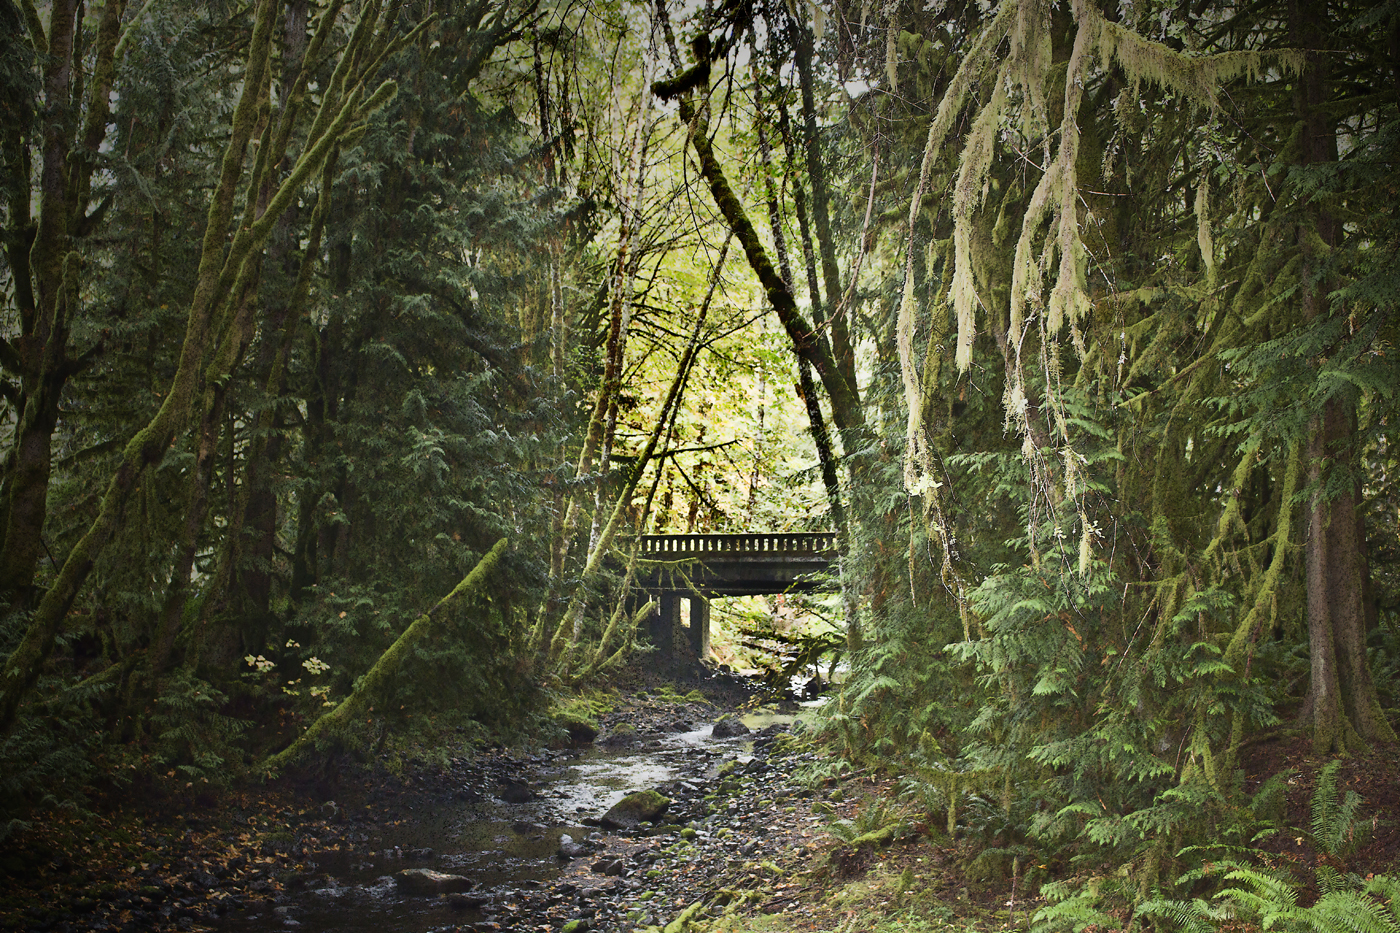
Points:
[[508, 850]]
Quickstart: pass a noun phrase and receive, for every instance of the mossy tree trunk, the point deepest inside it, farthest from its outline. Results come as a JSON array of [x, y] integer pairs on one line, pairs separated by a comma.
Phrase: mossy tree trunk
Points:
[[1341, 706], [229, 265], [374, 682], [45, 269]]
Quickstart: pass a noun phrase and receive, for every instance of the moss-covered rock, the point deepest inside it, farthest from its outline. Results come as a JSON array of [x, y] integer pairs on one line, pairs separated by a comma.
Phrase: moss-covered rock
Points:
[[730, 726], [582, 730], [639, 807], [622, 735]]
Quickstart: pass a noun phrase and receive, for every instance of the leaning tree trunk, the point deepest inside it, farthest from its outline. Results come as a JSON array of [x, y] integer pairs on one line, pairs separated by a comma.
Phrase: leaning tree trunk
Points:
[[390, 662], [810, 344]]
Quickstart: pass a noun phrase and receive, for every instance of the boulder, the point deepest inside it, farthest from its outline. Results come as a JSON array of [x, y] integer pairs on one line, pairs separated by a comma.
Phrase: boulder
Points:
[[638, 807], [581, 730], [516, 792], [621, 735], [427, 881], [730, 726]]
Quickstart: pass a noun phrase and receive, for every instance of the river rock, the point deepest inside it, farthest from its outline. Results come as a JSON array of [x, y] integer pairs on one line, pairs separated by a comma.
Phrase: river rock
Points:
[[637, 807], [569, 849], [730, 726], [621, 735], [581, 729], [461, 900], [516, 792], [427, 881], [609, 866]]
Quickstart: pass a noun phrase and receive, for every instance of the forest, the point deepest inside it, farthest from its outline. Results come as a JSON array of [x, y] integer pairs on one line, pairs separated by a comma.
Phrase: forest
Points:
[[349, 347]]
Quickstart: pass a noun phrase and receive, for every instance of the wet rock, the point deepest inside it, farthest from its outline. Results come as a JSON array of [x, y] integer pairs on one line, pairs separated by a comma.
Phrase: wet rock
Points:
[[516, 792], [638, 807], [613, 867], [427, 881], [461, 900], [621, 735], [730, 726], [568, 849]]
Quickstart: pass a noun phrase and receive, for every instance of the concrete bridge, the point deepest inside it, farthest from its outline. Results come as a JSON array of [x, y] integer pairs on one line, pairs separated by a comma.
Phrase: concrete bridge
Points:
[[698, 568]]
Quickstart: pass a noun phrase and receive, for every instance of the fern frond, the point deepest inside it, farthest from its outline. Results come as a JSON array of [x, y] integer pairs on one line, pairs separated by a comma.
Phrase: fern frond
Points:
[[1193, 916], [1333, 819], [1351, 912]]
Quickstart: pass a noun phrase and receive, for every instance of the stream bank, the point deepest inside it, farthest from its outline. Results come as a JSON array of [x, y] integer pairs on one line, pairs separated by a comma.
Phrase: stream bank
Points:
[[171, 856]]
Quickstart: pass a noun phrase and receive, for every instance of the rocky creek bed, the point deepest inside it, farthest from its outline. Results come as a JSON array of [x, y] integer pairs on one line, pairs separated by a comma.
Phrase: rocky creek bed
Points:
[[498, 841]]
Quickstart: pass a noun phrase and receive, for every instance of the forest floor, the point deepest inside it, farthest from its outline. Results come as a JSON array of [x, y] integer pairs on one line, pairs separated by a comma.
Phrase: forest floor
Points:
[[921, 881], [767, 846]]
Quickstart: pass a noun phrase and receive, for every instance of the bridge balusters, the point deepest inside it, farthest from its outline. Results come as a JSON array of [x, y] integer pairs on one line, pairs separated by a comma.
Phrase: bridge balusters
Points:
[[674, 547]]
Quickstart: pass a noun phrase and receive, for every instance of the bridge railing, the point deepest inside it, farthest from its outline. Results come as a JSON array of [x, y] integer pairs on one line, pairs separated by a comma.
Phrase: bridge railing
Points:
[[776, 545]]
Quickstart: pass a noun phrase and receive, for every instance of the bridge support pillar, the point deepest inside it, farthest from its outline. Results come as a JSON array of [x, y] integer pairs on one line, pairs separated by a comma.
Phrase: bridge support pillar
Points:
[[662, 625], [700, 626]]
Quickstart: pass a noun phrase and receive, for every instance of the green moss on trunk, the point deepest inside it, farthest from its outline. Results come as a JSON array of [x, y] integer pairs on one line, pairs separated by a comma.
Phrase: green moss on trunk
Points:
[[372, 684]]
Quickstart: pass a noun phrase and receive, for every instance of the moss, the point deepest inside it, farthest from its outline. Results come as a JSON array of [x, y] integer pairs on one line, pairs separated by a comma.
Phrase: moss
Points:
[[682, 921]]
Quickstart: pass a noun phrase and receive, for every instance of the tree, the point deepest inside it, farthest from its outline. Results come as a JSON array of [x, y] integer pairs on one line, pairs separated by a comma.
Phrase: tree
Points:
[[61, 129], [1111, 245], [256, 283]]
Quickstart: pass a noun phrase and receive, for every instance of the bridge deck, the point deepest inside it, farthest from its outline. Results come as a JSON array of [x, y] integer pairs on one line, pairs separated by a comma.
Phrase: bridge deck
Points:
[[700, 567], [736, 564]]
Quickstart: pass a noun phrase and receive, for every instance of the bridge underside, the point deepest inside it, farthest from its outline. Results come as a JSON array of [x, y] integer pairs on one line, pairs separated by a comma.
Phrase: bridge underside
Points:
[[699, 568]]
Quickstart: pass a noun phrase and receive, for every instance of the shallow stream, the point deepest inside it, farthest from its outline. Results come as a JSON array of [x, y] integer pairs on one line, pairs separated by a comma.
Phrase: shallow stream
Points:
[[506, 849]]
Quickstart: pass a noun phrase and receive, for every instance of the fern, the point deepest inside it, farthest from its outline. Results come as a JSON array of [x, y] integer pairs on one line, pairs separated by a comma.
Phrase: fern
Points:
[[1352, 912], [1193, 916], [1334, 829], [1270, 898], [1071, 910]]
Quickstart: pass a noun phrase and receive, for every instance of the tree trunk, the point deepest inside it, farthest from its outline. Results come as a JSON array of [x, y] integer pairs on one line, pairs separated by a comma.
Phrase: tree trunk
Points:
[[1341, 706], [46, 280], [372, 684]]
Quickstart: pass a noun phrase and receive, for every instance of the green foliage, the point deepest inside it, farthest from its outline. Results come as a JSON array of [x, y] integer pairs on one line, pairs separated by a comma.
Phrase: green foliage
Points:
[[384, 419], [189, 732], [1334, 823], [47, 760], [1250, 887], [877, 819], [1071, 908]]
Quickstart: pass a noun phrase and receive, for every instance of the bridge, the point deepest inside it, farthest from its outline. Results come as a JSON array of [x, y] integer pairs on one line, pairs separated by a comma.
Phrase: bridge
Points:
[[698, 568]]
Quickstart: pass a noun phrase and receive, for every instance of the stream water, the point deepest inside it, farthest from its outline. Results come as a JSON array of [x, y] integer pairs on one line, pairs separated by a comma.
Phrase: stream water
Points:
[[505, 848]]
